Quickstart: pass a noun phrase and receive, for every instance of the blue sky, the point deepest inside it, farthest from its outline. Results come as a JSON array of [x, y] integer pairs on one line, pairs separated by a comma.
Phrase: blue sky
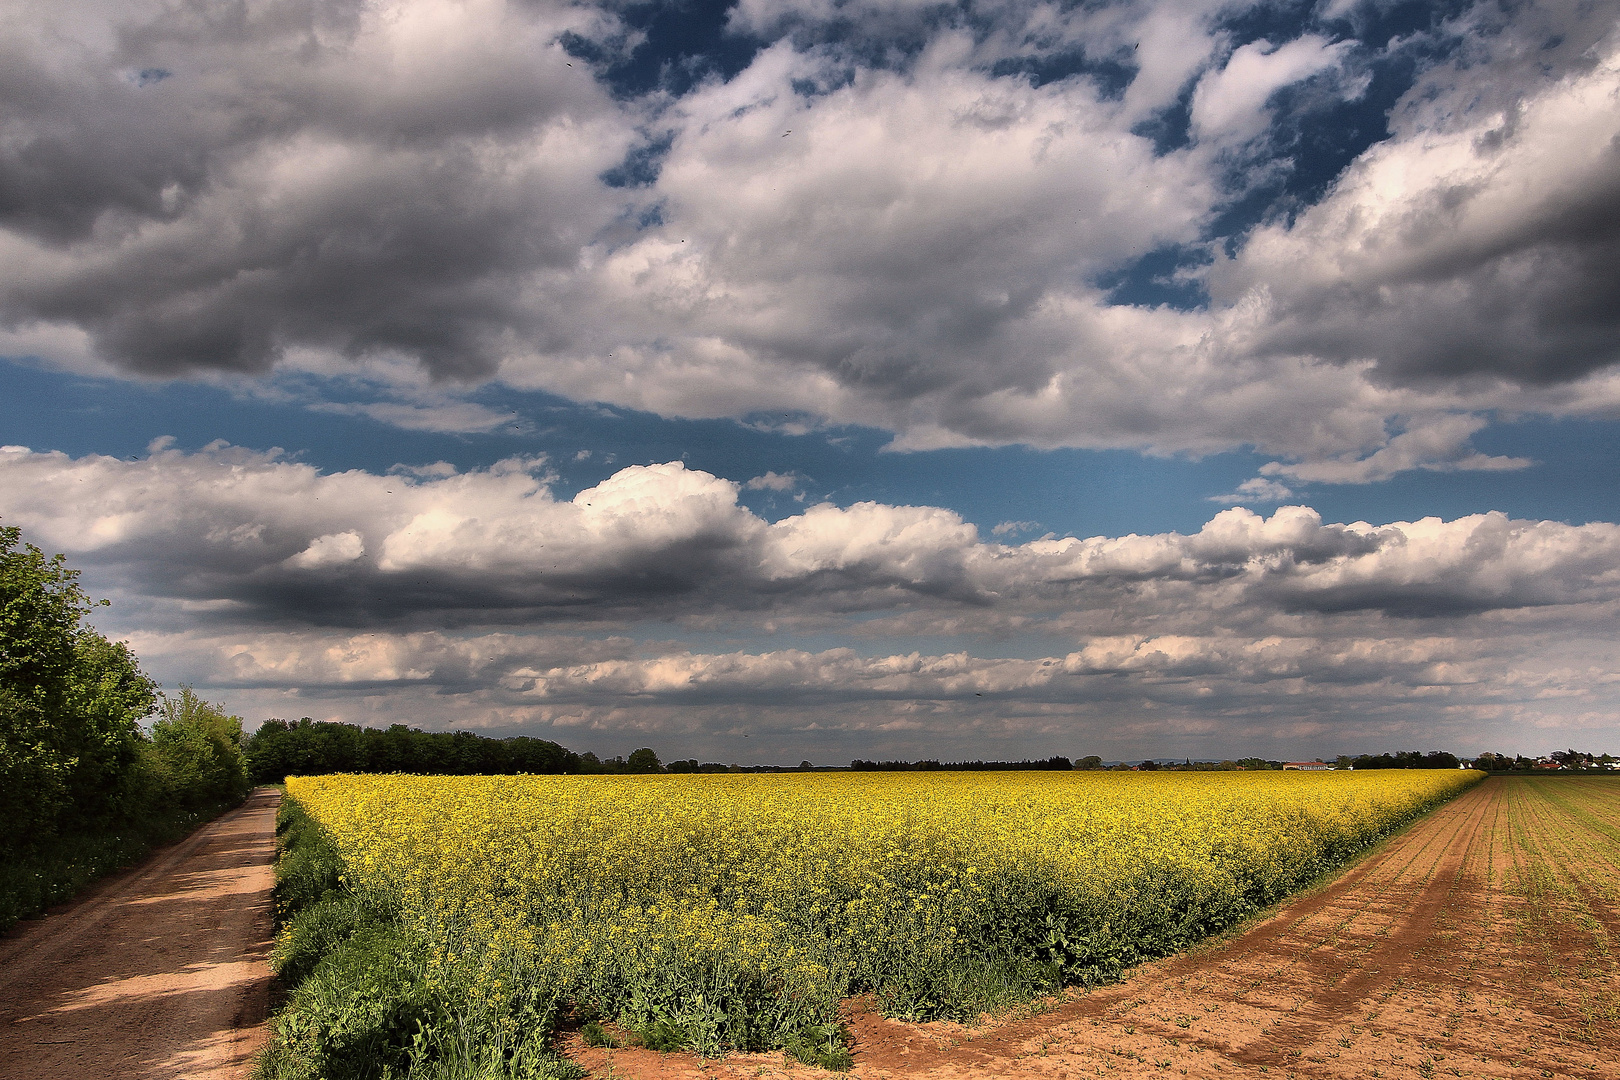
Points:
[[984, 379], [1574, 475]]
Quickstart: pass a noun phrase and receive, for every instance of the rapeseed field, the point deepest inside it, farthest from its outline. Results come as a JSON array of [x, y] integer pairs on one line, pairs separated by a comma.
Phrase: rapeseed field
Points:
[[717, 911]]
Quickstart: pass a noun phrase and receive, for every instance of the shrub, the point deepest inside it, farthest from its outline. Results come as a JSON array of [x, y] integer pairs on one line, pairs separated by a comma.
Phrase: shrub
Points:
[[82, 789]]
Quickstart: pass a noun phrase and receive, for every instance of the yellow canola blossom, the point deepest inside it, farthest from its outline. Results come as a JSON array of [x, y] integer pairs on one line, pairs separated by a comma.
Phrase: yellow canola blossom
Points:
[[742, 907]]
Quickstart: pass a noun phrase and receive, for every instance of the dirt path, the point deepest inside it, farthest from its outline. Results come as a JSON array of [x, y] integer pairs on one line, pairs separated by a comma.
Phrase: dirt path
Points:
[[1437, 956], [159, 971]]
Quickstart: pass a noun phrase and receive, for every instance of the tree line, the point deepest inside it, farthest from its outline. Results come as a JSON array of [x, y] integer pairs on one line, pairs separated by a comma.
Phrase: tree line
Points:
[[931, 765]]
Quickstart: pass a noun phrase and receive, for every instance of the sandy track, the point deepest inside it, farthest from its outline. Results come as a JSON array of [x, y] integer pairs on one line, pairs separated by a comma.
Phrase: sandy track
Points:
[[159, 971], [1424, 960]]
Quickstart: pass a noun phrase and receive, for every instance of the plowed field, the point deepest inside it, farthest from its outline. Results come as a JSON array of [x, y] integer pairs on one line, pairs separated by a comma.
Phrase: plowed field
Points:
[[1480, 942]]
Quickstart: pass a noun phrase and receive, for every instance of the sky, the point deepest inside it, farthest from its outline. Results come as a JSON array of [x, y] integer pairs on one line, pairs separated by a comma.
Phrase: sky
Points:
[[773, 380]]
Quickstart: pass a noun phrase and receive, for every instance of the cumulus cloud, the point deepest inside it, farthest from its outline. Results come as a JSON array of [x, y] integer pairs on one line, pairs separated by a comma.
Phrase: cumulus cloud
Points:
[[773, 481], [899, 215], [334, 549], [352, 177], [1229, 105], [483, 598], [1477, 244], [1257, 490], [282, 542], [1439, 444]]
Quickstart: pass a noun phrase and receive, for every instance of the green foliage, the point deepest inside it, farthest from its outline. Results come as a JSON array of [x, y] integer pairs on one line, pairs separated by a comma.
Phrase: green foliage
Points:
[[316, 932], [200, 749], [70, 702], [376, 1006], [690, 765], [825, 1046], [595, 1034], [34, 878], [309, 868], [642, 761], [356, 1015], [282, 748], [664, 1035], [82, 789], [1406, 759]]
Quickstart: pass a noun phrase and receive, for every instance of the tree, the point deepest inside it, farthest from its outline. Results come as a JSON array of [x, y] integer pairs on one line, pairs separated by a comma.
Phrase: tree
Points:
[[201, 749], [70, 700], [643, 761]]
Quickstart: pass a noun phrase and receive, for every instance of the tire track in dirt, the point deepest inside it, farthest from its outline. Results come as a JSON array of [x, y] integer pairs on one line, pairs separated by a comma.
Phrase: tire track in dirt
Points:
[[159, 971], [1395, 955]]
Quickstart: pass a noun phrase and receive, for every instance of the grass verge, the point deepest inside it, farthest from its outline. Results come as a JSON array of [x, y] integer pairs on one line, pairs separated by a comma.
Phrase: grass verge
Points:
[[32, 881]]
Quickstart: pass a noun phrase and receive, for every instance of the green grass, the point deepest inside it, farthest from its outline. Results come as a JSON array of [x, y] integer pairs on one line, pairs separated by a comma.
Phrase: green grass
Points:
[[33, 880]]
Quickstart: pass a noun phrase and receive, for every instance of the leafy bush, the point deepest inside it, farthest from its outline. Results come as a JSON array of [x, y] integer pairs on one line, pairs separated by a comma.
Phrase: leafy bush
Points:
[[200, 749], [316, 932], [83, 790], [308, 867]]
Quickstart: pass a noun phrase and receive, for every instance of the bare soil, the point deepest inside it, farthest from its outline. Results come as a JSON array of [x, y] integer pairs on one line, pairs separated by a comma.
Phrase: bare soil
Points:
[[1480, 942], [158, 971]]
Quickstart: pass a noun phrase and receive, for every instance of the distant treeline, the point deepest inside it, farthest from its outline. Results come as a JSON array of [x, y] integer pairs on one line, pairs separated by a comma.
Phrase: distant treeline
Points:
[[282, 748], [306, 747], [1406, 759], [1566, 759], [859, 765]]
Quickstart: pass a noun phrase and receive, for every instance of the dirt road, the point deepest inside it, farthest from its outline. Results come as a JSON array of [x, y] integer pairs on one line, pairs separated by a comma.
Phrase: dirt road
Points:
[[1481, 942], [159, 971]]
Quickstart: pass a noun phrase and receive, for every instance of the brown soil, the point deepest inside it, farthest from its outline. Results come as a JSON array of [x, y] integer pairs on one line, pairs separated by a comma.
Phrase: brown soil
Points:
[[1477, 943], [159, 971]]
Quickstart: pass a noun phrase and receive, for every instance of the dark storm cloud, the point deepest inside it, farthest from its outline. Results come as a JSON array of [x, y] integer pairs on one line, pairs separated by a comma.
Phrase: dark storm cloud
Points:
[[345, 177]]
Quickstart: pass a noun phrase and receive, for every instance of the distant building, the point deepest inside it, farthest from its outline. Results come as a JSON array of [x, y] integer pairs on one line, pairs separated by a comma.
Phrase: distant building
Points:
[[1308, 766]]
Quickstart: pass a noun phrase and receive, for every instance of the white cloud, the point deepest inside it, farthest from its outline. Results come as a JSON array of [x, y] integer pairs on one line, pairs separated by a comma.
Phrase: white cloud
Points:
[[294, 544], [334, 549], [772, 481], [445, 416], [411, 193], [1435, 443], [481, 598], [1476, 245], [1230, 104], [1257, 490]]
